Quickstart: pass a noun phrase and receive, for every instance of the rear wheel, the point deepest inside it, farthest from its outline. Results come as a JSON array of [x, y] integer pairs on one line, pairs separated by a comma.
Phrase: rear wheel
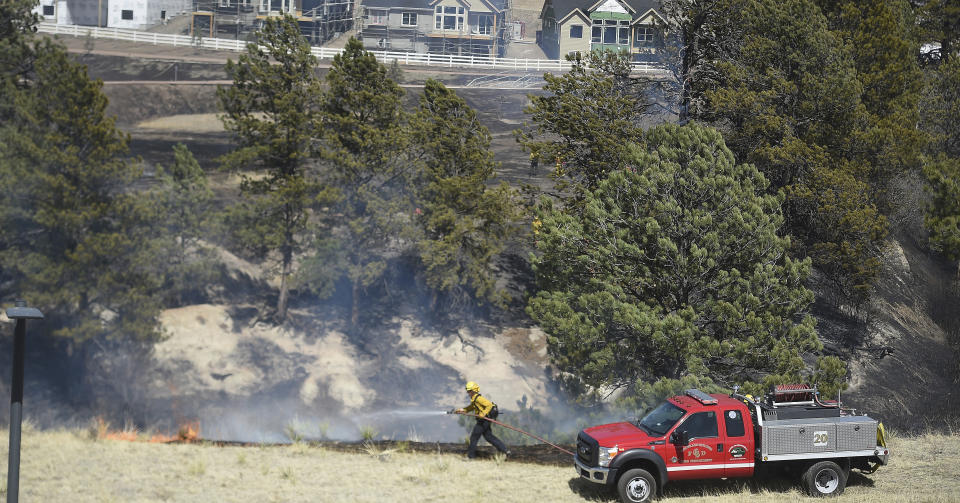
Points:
[[636, 486], [824, 478], [845, 465]]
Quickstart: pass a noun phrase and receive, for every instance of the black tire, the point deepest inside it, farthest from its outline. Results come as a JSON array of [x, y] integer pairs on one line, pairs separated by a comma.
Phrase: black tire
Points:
[[824, 478], [846, 465], [636, 486]]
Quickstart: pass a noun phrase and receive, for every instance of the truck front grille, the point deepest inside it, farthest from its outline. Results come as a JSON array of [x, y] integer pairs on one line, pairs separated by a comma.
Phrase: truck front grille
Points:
[[587, 449]]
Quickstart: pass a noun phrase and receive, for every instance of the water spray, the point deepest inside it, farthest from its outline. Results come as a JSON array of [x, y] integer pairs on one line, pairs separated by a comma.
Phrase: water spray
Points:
[[403, 413], [494, 421]]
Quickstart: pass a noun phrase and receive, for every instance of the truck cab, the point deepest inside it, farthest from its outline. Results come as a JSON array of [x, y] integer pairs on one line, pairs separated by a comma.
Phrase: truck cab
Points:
[[701, 436]]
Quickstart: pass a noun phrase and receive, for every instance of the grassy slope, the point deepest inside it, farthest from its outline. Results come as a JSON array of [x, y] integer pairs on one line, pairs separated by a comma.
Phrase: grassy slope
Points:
[[69, 466]]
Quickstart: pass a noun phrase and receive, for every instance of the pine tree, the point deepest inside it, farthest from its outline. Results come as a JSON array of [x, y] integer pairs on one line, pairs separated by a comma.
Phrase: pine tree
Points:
[[185, 209], [941, 118], [17, 25], [940, 110], [463, 223], [79, 238], [788, 99], [695, 35], [943, 212], [362, 139], [939, 22], [584, 121], [674, 268], [271, 107], [887, 143]]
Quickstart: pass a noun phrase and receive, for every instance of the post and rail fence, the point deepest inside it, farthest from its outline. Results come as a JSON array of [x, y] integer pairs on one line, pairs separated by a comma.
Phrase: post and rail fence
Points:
[[385, 57]]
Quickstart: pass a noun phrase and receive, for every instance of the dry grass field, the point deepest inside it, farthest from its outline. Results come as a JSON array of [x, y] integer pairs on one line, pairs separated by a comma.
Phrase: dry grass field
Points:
[[75, 466]]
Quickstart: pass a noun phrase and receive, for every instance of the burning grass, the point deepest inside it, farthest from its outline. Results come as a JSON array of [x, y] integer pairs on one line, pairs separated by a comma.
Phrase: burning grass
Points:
[[74, 466], [187, 432]]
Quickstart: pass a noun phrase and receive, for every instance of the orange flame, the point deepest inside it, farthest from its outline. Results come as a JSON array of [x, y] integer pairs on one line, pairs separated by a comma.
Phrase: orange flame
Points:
[[187, 433]]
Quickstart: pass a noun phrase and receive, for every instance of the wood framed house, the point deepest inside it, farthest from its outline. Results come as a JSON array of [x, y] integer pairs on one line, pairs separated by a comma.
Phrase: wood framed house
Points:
[[462, 27], [131, 14], [571, 26]]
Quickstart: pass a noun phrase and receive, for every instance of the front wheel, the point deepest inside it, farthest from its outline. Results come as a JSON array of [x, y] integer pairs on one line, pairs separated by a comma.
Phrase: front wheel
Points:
[[824, 478], [636, 486]]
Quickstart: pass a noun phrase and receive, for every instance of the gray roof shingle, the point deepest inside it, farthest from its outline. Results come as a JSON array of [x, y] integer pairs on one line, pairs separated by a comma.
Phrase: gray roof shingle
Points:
[[563, 7], [402, 4], [416, 4]]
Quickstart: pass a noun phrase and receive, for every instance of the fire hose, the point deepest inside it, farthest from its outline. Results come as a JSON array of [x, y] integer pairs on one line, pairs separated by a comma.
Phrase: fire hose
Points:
[[494, 421]]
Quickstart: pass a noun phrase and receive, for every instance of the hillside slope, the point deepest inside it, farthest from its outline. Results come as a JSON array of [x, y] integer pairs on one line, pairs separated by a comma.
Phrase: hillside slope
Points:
[[903, 368], [245, 379]]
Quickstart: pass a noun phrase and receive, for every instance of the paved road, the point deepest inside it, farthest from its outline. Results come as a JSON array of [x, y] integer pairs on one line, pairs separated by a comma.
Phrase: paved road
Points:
[[228, 82], [188, 54]]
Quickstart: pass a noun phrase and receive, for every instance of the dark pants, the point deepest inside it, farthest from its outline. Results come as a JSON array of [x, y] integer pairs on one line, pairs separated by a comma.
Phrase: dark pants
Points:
[[483, 427]]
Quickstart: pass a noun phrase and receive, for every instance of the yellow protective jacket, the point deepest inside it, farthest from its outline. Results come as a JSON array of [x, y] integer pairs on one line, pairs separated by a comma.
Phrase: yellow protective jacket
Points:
[[479, 405]]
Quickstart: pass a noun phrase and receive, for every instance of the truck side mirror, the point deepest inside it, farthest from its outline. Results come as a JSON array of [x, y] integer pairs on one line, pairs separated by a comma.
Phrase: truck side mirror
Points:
[[681, 438]]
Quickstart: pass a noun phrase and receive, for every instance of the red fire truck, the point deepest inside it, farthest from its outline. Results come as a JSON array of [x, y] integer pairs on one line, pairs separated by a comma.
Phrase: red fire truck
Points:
[[699, 436]]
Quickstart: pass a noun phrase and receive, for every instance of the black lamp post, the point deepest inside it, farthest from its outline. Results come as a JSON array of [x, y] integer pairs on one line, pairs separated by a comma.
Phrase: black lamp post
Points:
[[21, 313]]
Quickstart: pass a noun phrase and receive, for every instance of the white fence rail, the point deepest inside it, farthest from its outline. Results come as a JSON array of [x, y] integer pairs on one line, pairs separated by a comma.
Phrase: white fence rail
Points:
[[386, 57]]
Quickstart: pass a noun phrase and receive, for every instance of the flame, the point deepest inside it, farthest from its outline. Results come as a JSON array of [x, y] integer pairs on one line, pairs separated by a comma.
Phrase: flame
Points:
[[188, 432], [104, 431]]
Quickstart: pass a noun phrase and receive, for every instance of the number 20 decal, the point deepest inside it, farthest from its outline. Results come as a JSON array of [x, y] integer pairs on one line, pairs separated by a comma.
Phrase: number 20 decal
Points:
[[820, 438]]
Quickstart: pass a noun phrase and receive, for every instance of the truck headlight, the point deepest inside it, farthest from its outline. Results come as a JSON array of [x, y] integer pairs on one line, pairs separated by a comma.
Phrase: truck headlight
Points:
[[606, 454]]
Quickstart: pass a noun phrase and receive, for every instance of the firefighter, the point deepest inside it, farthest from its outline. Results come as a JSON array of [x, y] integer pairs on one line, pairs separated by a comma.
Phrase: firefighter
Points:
[[482, 408]]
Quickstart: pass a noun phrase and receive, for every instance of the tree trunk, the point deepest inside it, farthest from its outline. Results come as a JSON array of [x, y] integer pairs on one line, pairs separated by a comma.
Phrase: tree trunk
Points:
[[684, 89], [355, 311], [284, 285]]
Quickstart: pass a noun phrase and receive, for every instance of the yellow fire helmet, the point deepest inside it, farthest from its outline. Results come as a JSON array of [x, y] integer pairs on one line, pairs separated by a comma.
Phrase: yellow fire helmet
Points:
[[472, 386]]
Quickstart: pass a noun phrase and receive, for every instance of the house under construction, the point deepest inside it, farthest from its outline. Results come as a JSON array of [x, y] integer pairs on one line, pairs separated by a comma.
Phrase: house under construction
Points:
[[320, 20], [474, 28]]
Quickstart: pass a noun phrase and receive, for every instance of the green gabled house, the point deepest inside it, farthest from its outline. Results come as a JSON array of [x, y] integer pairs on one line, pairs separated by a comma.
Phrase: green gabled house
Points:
[[571, 26]]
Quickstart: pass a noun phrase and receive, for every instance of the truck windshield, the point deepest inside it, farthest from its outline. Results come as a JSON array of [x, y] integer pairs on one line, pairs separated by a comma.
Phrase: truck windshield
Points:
[[661, 419]]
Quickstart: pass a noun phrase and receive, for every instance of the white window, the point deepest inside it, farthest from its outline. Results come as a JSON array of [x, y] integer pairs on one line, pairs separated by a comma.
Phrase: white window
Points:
[[449, 18], [484, 24], [645, 36], [377, 16], [610, 32], [409, 19], [576, 31]]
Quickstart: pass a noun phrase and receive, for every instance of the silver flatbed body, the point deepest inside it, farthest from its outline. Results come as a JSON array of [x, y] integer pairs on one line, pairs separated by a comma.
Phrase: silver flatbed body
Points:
[[821, 437]]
